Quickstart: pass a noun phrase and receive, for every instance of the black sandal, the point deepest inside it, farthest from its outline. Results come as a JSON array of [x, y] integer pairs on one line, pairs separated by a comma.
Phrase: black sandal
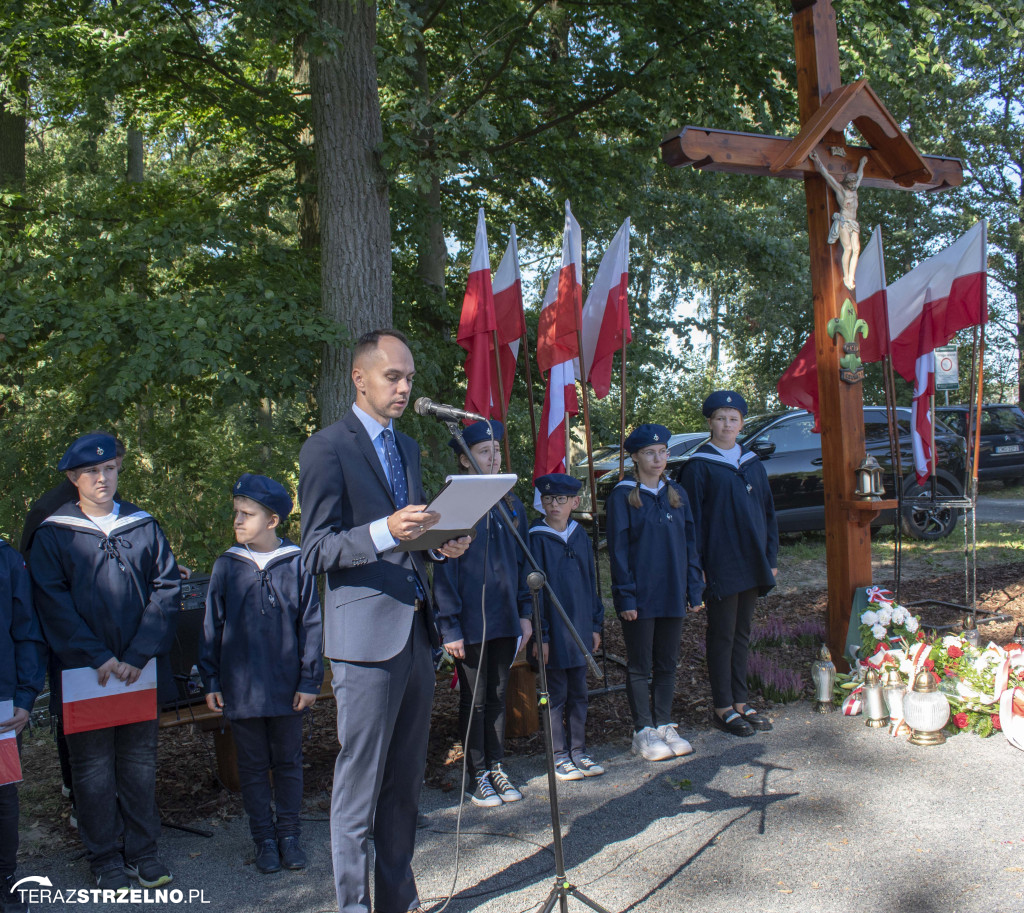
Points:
[[732, 723], [757, 720]]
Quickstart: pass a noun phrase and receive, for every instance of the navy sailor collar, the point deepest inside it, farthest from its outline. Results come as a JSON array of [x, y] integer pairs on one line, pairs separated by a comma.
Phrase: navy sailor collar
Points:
[[542, 527], [711, 455], [70, 516], [285, 550]]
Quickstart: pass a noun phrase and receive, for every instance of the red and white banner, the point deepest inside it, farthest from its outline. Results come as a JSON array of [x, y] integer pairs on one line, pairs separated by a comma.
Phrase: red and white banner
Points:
[[871, 299], [606, 314], [798, 386], [560, 400], [476, 327], [508, 313], [89, 705], [10, 763], [948, 289], [558, 326]]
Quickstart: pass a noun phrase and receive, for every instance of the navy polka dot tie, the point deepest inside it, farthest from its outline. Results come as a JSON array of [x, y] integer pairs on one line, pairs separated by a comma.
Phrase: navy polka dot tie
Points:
[[399, 486]]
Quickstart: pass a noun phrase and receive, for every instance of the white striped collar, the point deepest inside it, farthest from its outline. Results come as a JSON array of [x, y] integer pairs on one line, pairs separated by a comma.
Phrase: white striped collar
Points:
[[542, 527], [631, 483], [81, 523], [711, 455], [285, 550]]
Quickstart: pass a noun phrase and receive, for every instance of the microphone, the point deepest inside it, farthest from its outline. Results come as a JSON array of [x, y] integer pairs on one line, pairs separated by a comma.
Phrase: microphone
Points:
[[426, 406]]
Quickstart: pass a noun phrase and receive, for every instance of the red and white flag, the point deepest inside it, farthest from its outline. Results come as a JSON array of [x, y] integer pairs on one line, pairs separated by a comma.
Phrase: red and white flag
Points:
[[10, 763], [871, 299], [476, 328], [508, 312], [606, 313], [950, 288], [798, 386], [89, 705], [557, 330], [926, 308], [560, 400]]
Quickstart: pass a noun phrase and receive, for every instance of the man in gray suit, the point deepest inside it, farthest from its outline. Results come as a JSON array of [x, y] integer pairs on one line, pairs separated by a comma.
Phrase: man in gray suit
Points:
[[361, 494]]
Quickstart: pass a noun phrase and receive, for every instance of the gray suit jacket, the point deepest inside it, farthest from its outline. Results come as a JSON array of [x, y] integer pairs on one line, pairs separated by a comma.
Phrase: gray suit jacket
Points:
[[368, 604]]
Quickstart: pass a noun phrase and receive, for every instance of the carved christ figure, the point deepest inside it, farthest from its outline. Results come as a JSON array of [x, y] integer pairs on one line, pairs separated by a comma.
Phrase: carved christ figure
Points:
[[845, 226]]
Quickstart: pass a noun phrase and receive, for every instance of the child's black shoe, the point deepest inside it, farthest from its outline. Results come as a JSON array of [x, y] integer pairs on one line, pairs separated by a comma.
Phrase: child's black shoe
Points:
[[267, 857], [293, 856]]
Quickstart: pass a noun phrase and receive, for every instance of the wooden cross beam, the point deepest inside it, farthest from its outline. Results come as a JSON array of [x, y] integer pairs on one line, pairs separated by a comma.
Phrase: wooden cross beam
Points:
[[827, 108]]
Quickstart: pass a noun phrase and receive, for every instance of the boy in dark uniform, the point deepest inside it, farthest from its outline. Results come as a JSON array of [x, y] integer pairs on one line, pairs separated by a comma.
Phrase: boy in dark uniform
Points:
[[262, 664], [106, 587], [564, 553], [22, 673]]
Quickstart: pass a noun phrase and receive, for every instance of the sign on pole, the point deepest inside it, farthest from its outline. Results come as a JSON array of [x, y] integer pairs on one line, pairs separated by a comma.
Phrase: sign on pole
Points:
[[947, 369]]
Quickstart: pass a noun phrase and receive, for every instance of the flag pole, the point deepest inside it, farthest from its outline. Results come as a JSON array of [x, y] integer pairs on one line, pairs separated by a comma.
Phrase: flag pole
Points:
[[622, 404], [977, 418], [586, 424], [889, 385], [529, 387], [502, 409]]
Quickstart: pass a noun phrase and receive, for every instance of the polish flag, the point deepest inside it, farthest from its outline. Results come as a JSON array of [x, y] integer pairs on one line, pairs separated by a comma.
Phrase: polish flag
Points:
[[921, 414], [798, 386], [559, 400], [10, 763], [950, 288], [872, 298], [558, 326], [476, 328], [508, 312], [606, 314], [89, 705]]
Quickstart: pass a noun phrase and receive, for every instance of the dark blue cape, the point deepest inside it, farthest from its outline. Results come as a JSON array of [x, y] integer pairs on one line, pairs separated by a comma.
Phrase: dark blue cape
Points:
[[737, 533], [263, 633], [652, 550], [569, 567]]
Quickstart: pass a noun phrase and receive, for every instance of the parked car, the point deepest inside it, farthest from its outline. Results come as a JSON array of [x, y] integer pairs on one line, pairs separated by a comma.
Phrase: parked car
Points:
[[1001, 448], [606, 458]]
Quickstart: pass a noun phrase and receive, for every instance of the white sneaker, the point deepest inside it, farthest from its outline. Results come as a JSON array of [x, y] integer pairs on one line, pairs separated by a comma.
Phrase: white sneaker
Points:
[[484, 795], [676, 742], [648, 744], [503, 786]]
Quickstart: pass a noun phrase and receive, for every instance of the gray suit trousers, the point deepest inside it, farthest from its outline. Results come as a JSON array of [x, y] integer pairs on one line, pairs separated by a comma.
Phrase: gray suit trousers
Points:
[[383, 724]]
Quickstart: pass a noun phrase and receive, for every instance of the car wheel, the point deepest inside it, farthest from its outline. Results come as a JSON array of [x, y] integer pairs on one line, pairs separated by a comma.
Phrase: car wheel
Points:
[[926, 521]]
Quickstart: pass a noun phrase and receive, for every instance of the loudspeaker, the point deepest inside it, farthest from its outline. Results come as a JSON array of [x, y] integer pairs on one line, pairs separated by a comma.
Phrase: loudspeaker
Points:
[[175, 684]]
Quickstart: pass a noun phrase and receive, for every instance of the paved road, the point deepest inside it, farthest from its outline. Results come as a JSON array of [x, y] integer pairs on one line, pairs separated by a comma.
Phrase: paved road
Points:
[[822, 814], [999, 510]]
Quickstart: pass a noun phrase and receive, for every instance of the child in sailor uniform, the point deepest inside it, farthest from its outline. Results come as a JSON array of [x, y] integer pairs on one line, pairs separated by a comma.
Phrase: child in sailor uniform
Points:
[[482, 611], [738, 539], [106, 587], [656, 575], [262, 664], [565, 555]]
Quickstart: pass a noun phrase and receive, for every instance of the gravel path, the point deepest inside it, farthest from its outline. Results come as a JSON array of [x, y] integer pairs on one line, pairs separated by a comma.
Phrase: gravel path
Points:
[[821, 814]]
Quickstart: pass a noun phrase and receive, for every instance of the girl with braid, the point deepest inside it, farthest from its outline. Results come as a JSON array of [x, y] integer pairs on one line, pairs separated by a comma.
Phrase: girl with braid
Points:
[[656, 575]]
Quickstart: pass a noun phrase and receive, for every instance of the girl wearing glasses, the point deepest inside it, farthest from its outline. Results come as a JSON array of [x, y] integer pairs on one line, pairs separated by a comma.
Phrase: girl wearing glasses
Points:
[[738, 539], [656, 574], [483, 607]]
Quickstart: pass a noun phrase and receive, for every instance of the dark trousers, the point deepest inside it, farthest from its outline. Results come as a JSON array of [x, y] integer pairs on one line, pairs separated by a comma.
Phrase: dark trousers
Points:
[[383, 722], [728, 639], [9, 827], [114, 773], [485, 670], [652, 653], [265, 745], [567, 692]]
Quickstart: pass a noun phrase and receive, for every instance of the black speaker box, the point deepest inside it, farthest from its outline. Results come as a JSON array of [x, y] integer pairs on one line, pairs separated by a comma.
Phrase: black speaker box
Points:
[[175, 685]]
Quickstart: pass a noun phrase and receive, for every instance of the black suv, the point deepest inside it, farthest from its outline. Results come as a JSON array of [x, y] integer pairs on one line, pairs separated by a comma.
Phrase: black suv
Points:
[[791, 452], [1001, 450]]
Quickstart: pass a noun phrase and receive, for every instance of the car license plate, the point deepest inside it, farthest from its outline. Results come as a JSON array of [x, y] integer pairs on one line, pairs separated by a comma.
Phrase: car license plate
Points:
[[1008, 448]]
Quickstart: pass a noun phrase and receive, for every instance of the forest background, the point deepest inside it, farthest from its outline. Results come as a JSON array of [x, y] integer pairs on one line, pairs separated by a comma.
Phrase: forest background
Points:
[[202, 203]]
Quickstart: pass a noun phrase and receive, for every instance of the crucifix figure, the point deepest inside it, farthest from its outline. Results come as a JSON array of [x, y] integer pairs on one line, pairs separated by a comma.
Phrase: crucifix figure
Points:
[[889, 160], [845, 226]]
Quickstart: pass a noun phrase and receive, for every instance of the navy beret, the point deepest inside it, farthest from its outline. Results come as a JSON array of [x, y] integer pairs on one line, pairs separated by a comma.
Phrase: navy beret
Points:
[[88, 450], [477, 432], [724, 399], [557, 483], [272, 495], [645, 435]]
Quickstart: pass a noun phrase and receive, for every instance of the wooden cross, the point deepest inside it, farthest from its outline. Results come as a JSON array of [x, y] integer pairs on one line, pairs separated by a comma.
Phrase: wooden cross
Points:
[[826, 109]]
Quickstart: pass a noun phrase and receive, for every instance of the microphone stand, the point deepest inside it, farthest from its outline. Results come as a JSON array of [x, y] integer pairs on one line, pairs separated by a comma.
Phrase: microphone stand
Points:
[[562, 888]]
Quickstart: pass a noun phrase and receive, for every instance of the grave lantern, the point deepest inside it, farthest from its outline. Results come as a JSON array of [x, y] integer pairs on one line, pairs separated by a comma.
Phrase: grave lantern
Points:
[[926, 711], [970, 631], [893, 690], [875, 713], [823, 674], [869, 480]]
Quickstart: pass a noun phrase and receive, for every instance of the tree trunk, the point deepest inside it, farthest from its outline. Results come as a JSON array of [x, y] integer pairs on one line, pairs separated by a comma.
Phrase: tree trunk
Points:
[[12, 147], [1018, 271], [305, 161], [715, 331], [136, 169], [355, 230]]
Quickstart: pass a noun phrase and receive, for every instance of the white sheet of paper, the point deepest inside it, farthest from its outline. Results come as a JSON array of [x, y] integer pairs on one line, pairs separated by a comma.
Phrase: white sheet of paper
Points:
[[467, 498], [6, 712]]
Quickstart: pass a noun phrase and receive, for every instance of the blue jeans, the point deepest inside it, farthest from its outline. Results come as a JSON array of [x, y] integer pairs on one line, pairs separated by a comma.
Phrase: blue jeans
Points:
[[265, 744], [114, 773], [567, 691]]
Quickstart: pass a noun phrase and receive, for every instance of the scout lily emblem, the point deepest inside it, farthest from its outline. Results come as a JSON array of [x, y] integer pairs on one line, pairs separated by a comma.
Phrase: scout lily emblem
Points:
[[848, 325]]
